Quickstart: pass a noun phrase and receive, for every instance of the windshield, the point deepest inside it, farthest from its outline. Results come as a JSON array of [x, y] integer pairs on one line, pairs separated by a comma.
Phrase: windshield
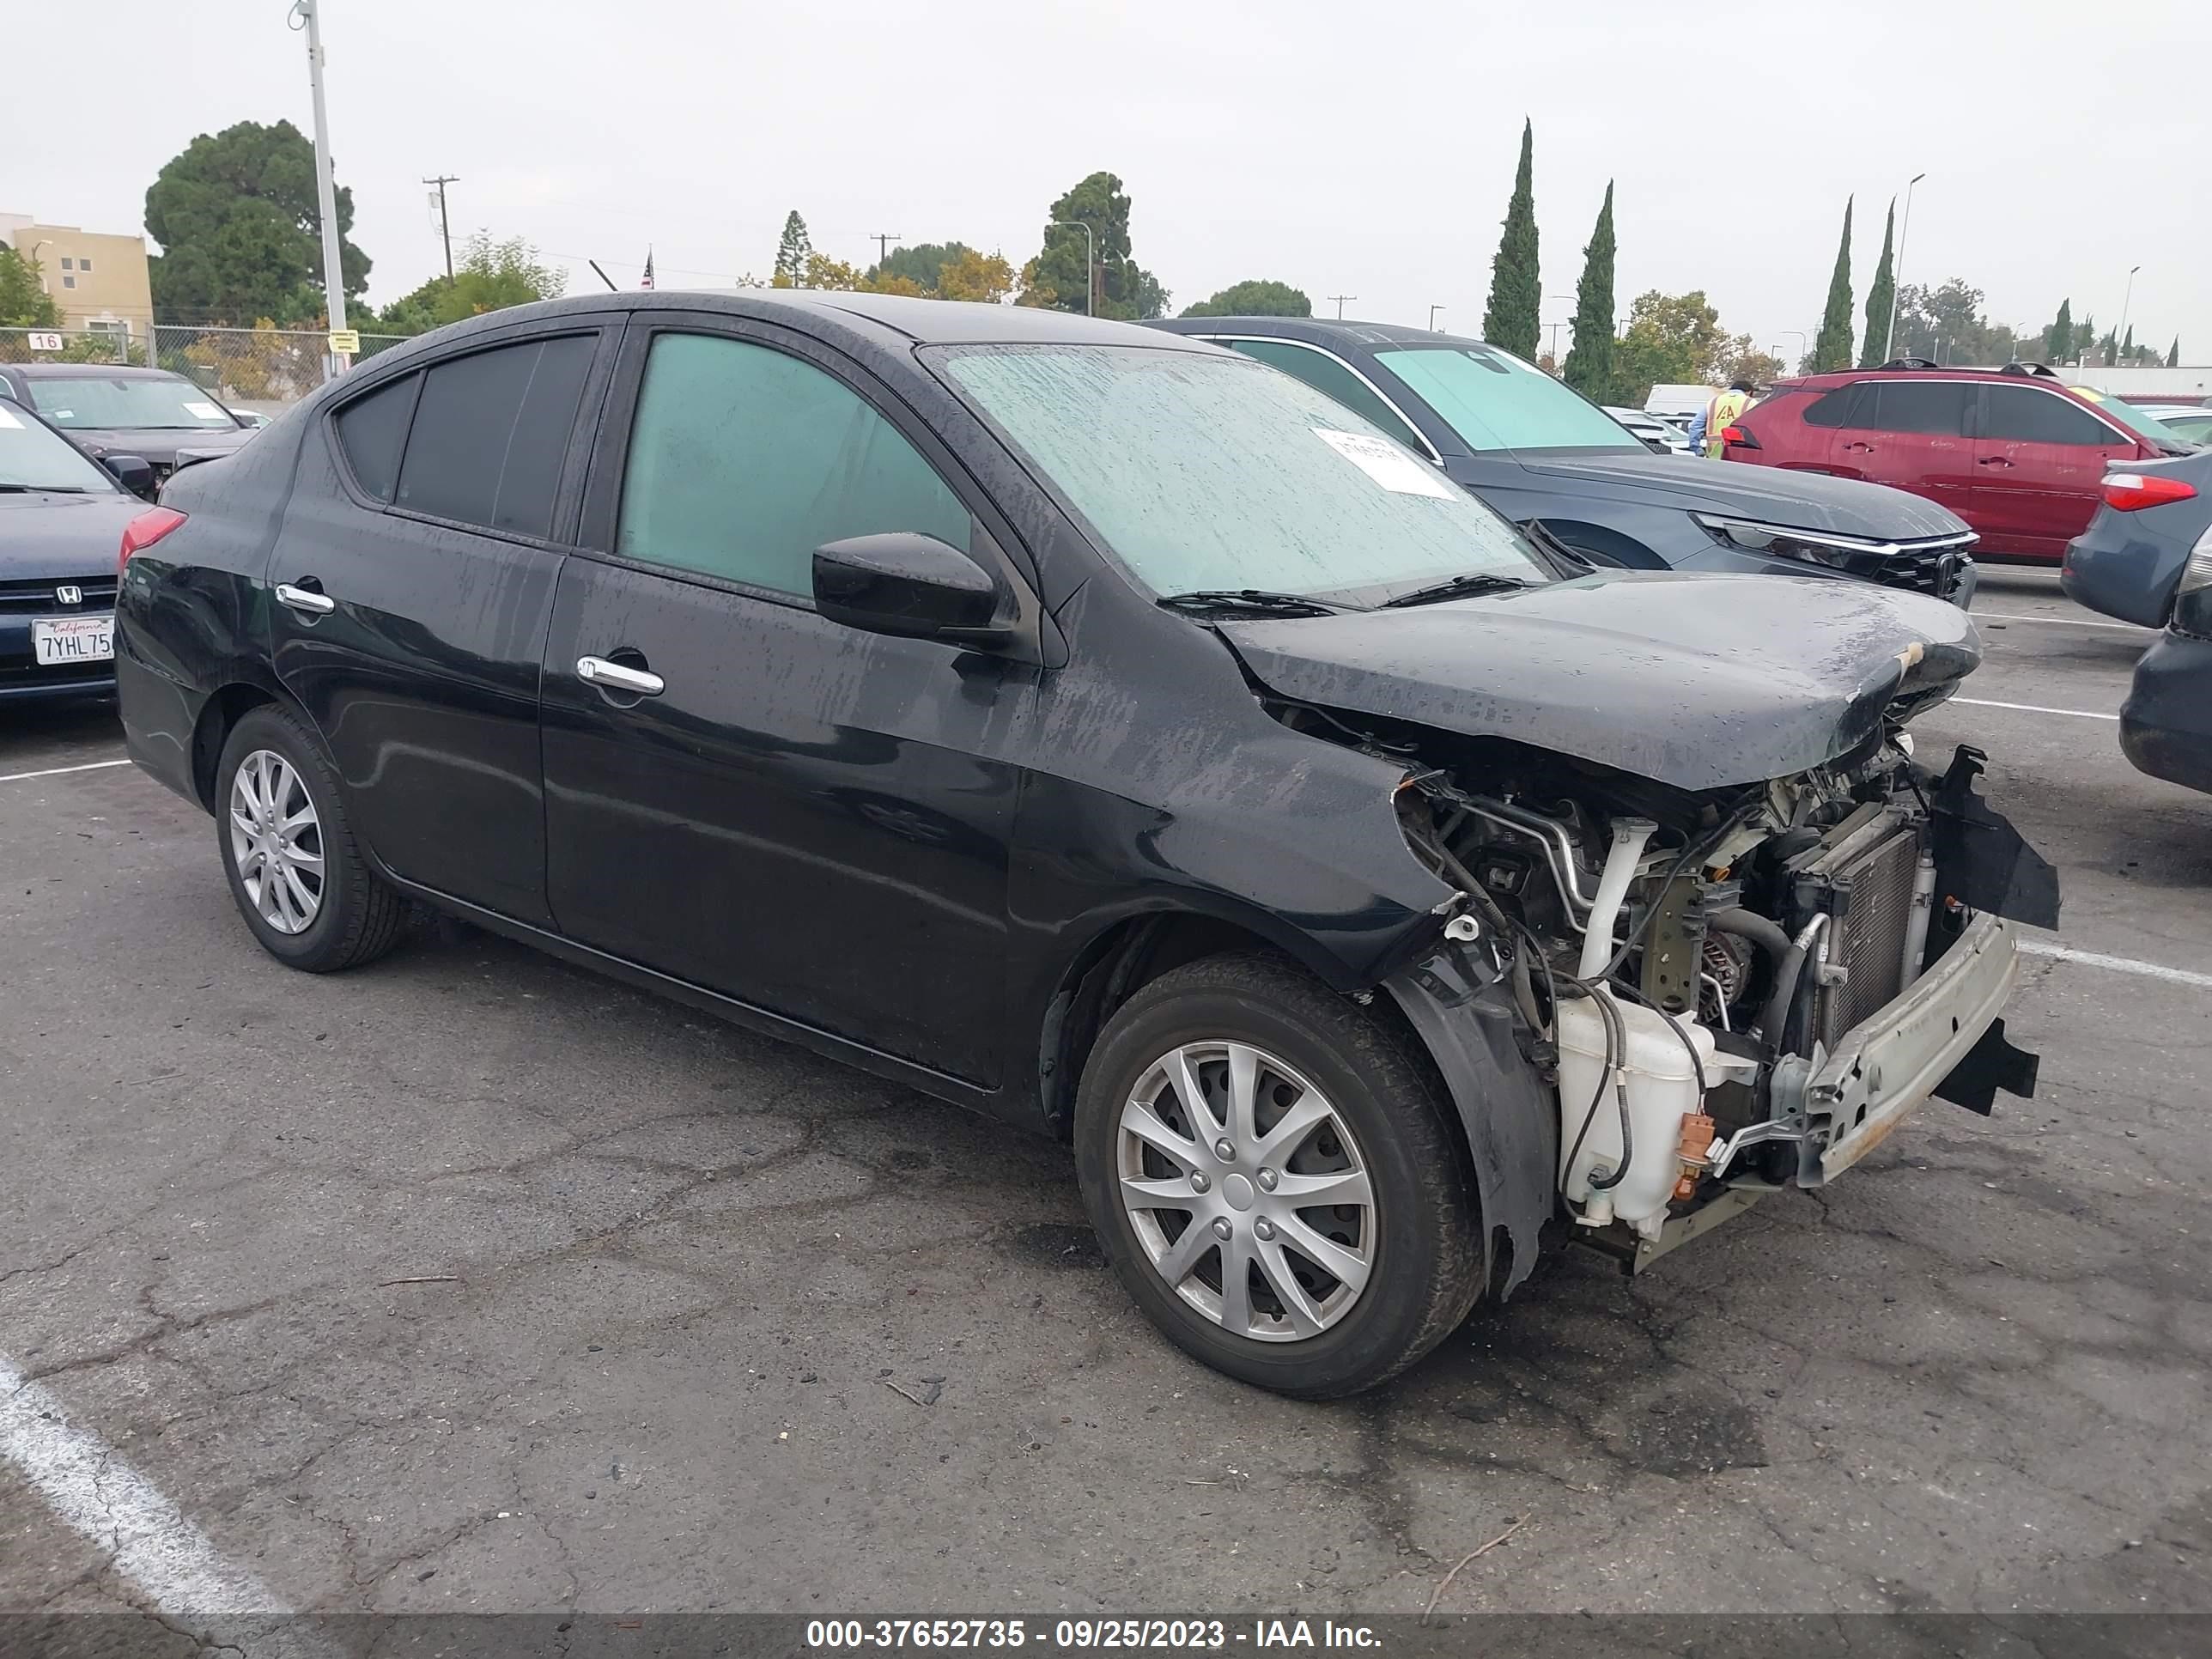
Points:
[[32, 458], [1495, 401], [2134, 420], [1201, 472], [127, 401]]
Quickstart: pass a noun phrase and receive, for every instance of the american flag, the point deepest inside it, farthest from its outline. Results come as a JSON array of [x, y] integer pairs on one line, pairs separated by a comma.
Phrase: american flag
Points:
[[646, 280]]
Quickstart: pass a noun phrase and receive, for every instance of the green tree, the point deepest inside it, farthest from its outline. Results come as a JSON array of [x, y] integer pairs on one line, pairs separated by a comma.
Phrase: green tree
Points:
[[2128, 345], [489, 277], [1947, 324], [2059, 339], [1256, 297], [980, 278], [1124, 289], [791, 253], [2174, 354], [920, 264], [2108, 347], [1672, 339], [1512, 319], [1832, 347], [241, 229], [1740, 359], [24, 301], [1881, 298], [1590, 358]]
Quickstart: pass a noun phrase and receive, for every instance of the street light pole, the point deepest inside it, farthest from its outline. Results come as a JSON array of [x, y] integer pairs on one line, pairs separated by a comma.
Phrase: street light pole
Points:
[[1897, 270], [1804, 347], [2121, 333], [1090, 261], [310, 12], [1432, 318]]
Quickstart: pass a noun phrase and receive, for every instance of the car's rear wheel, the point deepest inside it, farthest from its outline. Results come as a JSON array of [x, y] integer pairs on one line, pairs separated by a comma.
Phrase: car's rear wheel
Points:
[[1271, 1173], [288, 848]]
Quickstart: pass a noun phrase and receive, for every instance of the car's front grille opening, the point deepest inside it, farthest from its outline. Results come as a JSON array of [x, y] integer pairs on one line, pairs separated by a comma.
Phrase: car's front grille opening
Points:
[[43, 599]]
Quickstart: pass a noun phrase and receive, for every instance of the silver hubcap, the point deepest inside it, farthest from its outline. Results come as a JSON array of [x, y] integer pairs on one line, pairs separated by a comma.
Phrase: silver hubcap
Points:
[[1247, 1191], [277, 842]]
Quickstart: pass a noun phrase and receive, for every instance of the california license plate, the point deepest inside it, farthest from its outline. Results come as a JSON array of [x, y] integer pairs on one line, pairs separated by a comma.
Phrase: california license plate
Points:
[[61, 640]]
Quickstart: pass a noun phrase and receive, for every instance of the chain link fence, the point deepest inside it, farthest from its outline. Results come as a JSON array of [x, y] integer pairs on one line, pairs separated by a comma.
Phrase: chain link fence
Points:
[[259, 369]]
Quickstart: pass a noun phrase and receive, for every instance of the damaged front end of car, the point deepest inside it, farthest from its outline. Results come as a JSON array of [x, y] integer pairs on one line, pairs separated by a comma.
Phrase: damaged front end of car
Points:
[[1653, 1001]]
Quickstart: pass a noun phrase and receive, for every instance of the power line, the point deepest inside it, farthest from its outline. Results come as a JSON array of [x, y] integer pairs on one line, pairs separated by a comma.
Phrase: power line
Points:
[[444, 221]]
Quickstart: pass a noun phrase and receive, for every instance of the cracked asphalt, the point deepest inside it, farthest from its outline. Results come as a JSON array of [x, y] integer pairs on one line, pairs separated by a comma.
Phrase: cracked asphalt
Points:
[[471, 1282]]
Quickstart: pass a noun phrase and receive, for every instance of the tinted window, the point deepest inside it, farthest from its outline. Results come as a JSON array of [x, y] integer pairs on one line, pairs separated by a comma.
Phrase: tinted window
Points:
[[1332, 379], [2021, 414], [1831, 409], [370, 430], [1495, 401], [744, 460], [490, 432], [1936, 408]]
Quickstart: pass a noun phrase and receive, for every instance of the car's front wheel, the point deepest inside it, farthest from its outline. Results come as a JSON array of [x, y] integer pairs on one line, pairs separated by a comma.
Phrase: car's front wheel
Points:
[[1271, 1175], [288, 848]]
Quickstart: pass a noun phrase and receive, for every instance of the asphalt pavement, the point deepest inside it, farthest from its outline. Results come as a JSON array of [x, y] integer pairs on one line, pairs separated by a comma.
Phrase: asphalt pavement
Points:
[[471, 1281]]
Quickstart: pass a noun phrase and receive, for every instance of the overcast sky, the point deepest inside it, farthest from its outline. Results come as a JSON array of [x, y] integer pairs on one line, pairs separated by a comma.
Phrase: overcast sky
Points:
[[1359, 150]]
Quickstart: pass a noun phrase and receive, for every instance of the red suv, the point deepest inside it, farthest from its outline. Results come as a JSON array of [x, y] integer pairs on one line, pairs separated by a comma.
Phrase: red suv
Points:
[[2012, 451]]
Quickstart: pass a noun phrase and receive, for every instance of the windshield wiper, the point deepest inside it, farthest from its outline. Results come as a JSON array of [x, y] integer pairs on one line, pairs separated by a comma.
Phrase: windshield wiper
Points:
[[1459, 588], [43, 490], [1259, 599]]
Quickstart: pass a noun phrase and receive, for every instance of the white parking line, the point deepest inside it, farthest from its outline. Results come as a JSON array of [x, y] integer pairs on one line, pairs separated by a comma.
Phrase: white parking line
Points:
[[2024, 708], [119, 1509], [2062, 621], [56, 771], [2036, 947]]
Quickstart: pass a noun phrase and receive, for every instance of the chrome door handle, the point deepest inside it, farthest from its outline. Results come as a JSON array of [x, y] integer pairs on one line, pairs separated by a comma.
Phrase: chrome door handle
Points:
[[305, 600], [615, 676]]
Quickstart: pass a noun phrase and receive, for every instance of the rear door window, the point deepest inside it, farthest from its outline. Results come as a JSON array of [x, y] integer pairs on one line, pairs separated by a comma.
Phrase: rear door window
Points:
[[373, 430], [490, 432], [1933, 408], [2025, 414]]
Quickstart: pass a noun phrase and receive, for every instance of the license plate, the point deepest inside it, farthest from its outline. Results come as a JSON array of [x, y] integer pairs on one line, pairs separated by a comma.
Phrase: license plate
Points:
[[60, 640]]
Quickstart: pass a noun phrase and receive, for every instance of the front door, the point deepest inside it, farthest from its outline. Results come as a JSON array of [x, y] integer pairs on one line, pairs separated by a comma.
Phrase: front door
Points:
[[2040, 459], [741, 794], [414, 578]]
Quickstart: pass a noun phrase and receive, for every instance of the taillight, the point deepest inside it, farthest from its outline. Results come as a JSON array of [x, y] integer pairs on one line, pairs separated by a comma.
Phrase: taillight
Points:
[[1738, 436], [2131, 492], [143, 531]]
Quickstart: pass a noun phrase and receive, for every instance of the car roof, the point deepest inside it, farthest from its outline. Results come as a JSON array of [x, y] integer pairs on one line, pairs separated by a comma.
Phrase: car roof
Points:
[[1321, 331], [92, 372]]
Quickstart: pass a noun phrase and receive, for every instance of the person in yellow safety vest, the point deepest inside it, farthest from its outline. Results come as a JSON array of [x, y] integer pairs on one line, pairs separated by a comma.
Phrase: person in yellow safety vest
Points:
[[1717, 417]]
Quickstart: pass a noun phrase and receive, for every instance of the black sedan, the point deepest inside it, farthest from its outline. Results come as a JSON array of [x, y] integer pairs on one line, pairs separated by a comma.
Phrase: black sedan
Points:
[[107, 409], [2128, 563], [1536, 450], [1106, 732], [62, 524], [2166, 724]]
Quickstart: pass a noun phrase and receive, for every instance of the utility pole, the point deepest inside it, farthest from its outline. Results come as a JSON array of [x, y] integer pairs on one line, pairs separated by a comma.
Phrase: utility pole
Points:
[[883, 240], [310, 13], [1341, 298], [445, 224]]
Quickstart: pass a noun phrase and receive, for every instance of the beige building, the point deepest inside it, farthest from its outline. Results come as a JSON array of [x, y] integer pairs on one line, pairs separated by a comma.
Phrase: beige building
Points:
[[100, 281]]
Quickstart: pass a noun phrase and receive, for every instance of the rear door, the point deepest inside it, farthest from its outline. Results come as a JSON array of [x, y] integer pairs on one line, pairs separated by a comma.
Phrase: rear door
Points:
[[1910, 433], [792, 813], [2040, 459], [414, 581]]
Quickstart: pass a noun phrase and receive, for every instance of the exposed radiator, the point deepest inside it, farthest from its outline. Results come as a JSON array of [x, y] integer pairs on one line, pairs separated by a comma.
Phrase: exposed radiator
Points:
[[1867, 936]]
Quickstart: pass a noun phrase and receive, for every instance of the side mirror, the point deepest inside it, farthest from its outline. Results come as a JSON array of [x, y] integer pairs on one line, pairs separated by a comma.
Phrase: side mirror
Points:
[[133, 472], [908, 586]]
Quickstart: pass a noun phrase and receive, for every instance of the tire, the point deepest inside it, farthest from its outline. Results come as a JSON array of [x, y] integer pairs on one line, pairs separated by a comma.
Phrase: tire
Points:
[[1418, 1234], [355, 917]]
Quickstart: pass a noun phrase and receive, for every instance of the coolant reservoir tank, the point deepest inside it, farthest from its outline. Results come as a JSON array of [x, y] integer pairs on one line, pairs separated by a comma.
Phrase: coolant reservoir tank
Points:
[[1663, 1086]]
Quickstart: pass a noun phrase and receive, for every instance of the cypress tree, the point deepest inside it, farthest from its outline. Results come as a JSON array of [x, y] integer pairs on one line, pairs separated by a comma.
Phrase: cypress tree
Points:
[[1880, 299], [2173, 356], [790, 252], [2061, 334], [1832, 347], [1512, 320], [1589, 359], [2128, 345]]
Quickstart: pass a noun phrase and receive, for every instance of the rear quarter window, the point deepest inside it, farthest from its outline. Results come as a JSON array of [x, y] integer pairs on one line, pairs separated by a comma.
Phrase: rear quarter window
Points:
[[1831, 409], [371, 430]]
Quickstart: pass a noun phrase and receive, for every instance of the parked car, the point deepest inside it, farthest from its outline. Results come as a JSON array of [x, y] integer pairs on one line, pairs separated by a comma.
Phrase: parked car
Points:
[[2128, 563], [62, 520], [2191, 423], [1660, 437], [2166, 724], [108, 409], [2019, 456], [1103, 731], [1537, 450]]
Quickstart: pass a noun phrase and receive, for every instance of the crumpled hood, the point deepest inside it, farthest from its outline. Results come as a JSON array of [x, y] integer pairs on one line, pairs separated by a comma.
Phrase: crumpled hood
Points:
[[156, 445], [1798, 501], [1700, 681]]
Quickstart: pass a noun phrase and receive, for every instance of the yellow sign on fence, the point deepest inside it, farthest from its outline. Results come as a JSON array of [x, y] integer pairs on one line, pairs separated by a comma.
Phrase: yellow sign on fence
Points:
[[346, 342]]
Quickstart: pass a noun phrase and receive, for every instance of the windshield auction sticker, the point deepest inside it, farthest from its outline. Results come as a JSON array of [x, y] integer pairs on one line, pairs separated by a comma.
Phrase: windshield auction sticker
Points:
[[1384, 462]]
